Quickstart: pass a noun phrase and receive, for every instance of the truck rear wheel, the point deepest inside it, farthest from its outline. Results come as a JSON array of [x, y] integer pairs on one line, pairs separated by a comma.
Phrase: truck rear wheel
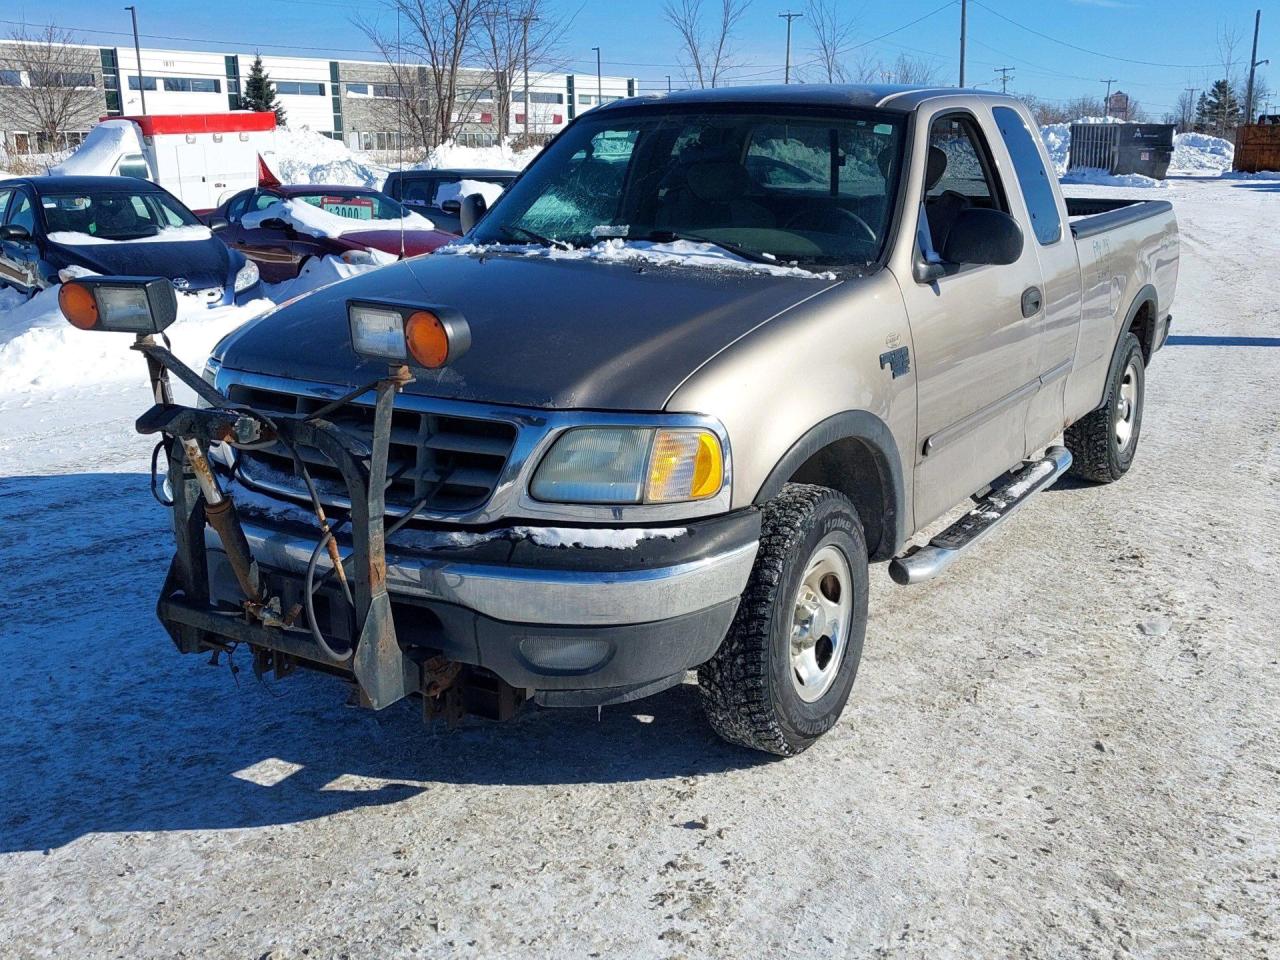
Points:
[[782, 675], [1103, 444]]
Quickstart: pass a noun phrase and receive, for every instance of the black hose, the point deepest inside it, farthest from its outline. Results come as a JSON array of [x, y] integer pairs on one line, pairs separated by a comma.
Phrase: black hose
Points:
[[308, 599], [155, 467]]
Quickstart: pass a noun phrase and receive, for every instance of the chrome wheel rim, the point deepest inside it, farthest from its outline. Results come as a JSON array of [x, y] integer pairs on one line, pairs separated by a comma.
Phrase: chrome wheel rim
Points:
[[821, 616], [1127, 406]]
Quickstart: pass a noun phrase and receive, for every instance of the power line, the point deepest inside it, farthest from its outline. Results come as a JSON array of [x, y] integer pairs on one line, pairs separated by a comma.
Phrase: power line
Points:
[[1095, 53]]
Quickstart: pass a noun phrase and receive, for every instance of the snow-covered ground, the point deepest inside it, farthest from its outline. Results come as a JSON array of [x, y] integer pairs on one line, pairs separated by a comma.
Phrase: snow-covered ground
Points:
[[1065, 747]]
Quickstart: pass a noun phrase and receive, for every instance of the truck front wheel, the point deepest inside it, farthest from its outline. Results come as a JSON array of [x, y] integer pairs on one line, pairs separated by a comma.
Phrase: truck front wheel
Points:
[[783, 673], [1103, 444]]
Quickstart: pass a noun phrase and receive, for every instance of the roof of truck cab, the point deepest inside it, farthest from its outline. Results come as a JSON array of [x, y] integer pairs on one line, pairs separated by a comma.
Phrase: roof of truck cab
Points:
[[896, 97], [45, 183]]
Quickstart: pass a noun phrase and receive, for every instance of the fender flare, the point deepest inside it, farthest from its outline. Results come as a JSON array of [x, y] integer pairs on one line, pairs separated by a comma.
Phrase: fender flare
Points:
[[1146, 295], [875, 434]]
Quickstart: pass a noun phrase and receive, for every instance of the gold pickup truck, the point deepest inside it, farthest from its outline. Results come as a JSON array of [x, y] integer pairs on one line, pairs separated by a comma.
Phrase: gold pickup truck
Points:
[[708, 358]]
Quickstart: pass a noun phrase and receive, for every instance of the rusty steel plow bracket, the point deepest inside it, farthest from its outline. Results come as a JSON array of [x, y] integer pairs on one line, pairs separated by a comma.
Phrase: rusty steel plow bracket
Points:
[[380, 667]]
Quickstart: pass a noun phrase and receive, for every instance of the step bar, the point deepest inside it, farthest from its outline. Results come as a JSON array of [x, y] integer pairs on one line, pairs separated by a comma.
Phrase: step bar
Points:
[[1010, 493]]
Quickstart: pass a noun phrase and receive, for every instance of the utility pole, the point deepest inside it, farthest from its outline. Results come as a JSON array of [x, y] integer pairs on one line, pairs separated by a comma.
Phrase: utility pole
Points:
[[1254, 63], [1004, 78], [668, 83], [599, 81], [964, 28], [789, 16], [1106, 104], [525, 21], [137, 50]]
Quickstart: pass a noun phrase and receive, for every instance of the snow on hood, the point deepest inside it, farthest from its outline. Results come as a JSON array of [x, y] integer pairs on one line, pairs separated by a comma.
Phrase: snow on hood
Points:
[[310, 219], [104, 145], [465, 188], [685, 253], [190, 232]]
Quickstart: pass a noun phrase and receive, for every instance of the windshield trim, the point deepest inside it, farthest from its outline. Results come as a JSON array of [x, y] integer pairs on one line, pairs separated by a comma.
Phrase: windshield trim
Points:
[[660, 106]]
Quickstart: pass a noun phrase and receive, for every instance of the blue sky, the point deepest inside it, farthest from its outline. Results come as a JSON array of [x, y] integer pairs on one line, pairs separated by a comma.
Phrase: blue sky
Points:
[[1178, 34]]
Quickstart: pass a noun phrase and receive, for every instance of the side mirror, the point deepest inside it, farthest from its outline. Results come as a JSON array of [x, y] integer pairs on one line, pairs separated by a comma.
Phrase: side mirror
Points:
[[470, 211], [452, 207], [274, 223], [217, 224], [15, 231], [983, 237]]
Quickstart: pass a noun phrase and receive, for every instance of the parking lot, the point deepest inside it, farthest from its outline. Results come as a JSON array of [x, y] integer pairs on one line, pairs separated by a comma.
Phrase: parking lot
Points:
[[1066, 746]]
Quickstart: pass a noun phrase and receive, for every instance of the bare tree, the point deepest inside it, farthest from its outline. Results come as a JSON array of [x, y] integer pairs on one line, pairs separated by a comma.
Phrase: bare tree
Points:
[[905, 69], [501, 46], [60, 94], [710, 54], [832, 36], [425, 53], [1186, 111]]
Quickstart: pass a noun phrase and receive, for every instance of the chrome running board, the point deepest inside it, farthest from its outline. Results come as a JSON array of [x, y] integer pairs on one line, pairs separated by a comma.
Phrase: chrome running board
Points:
[[1011, 492]]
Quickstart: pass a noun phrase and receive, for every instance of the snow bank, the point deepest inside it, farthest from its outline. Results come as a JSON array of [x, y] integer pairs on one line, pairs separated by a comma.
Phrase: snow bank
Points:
[[1193, 154], [97, 155], [500, 157], [310, 219], [71, 238], [678, 253], [1100, 178], [304, 156], [1199, 153], [39, 350]]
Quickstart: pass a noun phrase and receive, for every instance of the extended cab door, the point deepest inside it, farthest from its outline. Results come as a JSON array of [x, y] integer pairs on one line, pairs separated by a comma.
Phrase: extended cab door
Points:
[[975, 329]]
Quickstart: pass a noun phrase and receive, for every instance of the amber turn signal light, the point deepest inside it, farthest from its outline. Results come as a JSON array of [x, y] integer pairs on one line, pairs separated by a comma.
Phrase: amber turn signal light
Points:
[[427, 339], [78, 305]]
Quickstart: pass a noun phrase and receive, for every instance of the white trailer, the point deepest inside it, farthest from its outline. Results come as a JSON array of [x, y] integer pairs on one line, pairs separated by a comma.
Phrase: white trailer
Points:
[[200, 158]]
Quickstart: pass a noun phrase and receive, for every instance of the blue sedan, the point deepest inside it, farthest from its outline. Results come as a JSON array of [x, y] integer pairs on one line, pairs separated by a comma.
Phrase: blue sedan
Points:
[[114, 225]]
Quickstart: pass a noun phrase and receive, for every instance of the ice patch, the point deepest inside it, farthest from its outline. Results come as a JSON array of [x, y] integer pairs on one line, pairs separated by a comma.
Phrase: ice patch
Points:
[[678, 253]]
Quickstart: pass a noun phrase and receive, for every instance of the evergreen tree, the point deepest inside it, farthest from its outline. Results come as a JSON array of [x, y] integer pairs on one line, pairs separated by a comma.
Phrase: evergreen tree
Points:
[[1219, 111], [259, 93]]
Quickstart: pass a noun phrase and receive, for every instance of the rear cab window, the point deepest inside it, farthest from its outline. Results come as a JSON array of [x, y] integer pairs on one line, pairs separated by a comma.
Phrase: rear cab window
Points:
[[1037, 191]]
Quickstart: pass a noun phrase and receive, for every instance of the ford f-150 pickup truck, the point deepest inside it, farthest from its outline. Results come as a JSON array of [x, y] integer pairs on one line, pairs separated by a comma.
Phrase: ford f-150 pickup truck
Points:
[[708, 358]]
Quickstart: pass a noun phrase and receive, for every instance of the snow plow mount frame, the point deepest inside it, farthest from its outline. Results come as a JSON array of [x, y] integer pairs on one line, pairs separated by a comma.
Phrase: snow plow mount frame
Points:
[[381, 670]]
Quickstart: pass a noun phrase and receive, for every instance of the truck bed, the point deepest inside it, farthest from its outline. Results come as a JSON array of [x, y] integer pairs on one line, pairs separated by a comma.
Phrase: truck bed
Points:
[[1094, 215]]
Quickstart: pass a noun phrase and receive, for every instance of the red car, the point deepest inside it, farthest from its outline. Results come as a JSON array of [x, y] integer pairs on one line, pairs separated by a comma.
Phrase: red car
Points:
[[316, 220]]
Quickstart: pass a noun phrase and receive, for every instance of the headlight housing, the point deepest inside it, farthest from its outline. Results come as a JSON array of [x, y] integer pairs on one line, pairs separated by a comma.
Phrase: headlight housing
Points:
[[246, 276], [631, 465]]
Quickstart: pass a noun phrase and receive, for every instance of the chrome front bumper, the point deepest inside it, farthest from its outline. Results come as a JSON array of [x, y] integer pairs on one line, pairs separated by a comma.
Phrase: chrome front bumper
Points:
[[536, 595]]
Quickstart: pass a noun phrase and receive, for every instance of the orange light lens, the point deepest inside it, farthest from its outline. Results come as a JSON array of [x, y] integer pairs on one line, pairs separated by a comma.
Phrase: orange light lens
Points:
[[427, 339], [78, 305]]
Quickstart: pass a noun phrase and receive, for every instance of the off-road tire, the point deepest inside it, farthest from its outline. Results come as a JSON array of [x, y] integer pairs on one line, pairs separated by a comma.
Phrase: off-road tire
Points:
[[1096, 454], [747, 691]]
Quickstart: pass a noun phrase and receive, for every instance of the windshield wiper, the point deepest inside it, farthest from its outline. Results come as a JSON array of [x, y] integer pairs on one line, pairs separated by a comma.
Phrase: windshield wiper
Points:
[[515, 233], [668, 236]]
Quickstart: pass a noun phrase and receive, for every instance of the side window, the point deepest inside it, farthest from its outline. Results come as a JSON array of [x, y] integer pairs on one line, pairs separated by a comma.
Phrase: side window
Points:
[[4, 202], [959, 174], [1037, 191], [134, 165], [236, 208], [22, 213]]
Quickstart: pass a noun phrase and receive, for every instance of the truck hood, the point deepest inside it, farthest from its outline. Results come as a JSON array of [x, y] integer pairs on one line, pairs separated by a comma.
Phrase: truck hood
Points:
[[202, 263], [545, 332]]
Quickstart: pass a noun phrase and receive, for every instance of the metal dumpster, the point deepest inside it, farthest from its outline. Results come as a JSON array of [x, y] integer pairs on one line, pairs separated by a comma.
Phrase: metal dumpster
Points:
[[1118, 148]]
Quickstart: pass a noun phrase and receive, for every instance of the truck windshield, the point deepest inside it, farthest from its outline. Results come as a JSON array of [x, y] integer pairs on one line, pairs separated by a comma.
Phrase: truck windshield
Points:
[[817, 190], [113, 215]]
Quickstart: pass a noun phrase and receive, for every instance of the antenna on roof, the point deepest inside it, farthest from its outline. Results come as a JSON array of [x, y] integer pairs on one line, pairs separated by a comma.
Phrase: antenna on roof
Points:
[[400, 119]]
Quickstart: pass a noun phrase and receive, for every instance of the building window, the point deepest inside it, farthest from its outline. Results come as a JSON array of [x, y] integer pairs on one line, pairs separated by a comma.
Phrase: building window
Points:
[[191, 85], [536, 96], [10, 78], [299, 88], [357, 89], [148, 83], [71, 80], [586, 100]]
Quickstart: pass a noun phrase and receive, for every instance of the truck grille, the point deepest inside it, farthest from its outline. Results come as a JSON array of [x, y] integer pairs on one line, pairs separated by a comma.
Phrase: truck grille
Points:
[[425, 446]]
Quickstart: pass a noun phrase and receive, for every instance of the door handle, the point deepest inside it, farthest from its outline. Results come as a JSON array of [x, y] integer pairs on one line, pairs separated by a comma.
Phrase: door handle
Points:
[[1032, 300]]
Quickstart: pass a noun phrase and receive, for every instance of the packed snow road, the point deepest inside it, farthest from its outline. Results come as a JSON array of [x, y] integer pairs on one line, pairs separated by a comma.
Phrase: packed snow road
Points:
[[1067, 746]]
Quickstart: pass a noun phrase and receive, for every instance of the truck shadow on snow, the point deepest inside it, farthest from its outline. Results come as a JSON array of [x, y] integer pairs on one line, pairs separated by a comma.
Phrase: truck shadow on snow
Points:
[[104, 727]]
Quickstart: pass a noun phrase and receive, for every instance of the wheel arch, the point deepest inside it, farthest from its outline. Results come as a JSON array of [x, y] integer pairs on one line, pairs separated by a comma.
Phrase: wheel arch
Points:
[[855, 453], [1141, 319]]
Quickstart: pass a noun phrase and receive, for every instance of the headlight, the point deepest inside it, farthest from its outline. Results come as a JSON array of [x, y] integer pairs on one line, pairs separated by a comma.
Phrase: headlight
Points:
[[631, 465], [247, 276]]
